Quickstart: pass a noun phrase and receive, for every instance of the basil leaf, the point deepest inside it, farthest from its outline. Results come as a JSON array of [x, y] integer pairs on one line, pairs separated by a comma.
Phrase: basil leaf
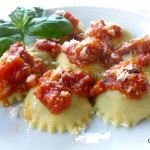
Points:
[[39, 12], [21, 16], [49, 27], [8, 29], [2, 21], [5, 43]]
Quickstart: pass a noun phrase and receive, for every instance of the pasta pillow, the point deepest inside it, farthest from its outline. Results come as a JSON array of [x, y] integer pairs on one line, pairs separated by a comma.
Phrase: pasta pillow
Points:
[[122, 94], [59, 100]]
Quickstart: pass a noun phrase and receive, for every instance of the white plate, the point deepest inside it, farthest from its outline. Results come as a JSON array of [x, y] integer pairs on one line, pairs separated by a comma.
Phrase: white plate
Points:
[[15, 133]]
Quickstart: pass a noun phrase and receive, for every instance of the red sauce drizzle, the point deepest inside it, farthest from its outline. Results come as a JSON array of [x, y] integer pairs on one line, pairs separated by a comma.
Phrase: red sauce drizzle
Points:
[[49, 46], [56, 87], [90, 51], [127, 77], [71, 18], [144, 59], [102, 31], [19, 71], [138, 47]]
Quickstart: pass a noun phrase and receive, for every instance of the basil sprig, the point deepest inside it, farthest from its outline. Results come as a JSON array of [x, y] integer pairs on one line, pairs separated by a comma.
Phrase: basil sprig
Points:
[[8, 29], [49, 27], [21, 16], [32, 22]]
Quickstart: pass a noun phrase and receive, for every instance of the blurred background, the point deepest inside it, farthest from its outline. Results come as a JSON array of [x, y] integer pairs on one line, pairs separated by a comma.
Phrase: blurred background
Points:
[[142, 6]]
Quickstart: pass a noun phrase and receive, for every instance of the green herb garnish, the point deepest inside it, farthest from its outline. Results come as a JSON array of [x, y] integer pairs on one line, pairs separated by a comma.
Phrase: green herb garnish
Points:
[[32, 22]]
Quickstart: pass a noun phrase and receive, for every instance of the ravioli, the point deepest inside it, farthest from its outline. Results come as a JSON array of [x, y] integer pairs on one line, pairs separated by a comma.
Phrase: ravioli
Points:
[[126, 97], [49, 62], [74, 119], [45, 50], [116, 108], [19, 72], [146, 68], [16, 97], [94, 69], [126, 37]]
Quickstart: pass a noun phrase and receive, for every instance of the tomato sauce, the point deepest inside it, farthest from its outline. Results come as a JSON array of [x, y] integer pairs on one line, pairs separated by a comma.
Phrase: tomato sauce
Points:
[[49, 46], [19, 71], [127, 77], [135, 47], [144, 59], [56, 87], [138, 47], [90, 51], [71, 18], [102, 31]]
